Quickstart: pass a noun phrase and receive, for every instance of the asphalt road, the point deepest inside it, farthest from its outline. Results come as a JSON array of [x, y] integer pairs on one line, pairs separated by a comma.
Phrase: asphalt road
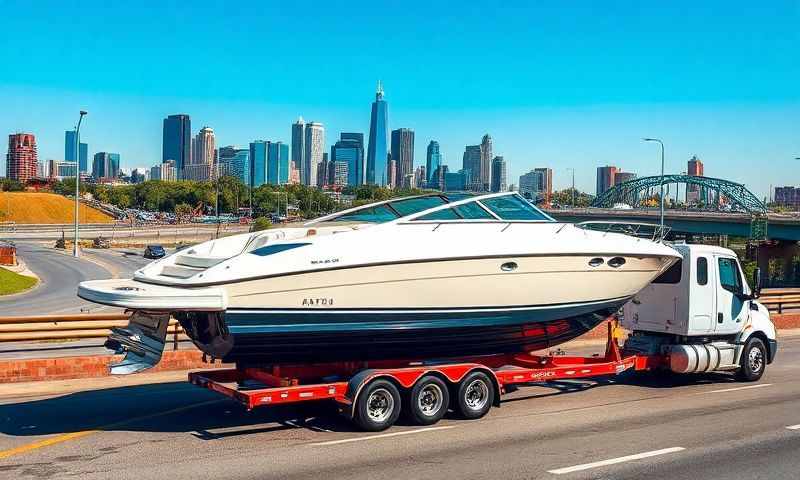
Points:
[[637, 426], [60, 274]]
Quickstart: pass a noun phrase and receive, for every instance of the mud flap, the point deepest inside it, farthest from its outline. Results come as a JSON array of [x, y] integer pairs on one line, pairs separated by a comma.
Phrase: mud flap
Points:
[[142, 342]]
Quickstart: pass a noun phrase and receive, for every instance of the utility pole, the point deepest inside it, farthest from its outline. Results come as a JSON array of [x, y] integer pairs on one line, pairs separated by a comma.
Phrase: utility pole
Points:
[[75, 251]]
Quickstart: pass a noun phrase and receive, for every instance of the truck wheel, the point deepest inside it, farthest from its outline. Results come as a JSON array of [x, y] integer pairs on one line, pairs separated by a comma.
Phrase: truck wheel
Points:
[[377, 406], [753, 361], [428, 400], [475, 395]]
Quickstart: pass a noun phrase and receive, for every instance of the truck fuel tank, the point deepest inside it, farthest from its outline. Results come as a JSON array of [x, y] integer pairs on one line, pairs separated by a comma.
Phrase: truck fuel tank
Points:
[[701, 357]]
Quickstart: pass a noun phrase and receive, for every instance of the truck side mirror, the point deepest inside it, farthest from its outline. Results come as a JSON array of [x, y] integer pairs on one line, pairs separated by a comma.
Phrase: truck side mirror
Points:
[[756, 282]]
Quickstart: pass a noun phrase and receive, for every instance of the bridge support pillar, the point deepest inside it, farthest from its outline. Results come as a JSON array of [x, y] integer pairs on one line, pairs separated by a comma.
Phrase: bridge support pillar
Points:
[[781, 256]]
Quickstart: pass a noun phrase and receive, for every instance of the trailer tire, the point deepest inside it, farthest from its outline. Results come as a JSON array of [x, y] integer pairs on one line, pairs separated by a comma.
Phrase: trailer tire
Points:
[[377, 406], [475, 395], [427, 401], [753, 361]]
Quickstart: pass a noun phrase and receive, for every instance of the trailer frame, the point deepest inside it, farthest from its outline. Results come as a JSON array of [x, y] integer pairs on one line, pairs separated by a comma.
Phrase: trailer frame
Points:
[[342, 382]]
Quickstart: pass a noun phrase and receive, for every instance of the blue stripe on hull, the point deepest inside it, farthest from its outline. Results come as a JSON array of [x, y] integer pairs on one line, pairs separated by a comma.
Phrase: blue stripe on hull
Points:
[[244, 322]]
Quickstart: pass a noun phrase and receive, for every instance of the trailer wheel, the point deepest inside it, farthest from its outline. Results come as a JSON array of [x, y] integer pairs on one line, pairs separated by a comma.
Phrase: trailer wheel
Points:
[[427, 401], [475, 395], [377, 406], [753, 361]]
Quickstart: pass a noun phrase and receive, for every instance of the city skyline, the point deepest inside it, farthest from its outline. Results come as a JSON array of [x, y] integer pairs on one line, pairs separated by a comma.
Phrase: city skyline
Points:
[[569, 94]]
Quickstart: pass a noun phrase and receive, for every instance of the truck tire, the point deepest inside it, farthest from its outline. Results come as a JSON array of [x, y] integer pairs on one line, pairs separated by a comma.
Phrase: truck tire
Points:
[[475, 395], [377, 406], [427, 401], [753, 361]]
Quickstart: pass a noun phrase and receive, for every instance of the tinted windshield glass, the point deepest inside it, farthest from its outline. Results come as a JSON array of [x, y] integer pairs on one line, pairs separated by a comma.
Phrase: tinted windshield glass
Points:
[[376, 214], [413, 205], [473, 211], [446, 214], [512, 207]]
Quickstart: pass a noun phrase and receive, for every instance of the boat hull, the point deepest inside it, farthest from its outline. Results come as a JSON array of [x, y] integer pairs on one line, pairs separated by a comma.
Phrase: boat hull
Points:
[[267, 337]]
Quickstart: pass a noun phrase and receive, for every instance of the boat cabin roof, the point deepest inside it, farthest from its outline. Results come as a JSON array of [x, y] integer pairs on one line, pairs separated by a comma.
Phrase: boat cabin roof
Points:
[[445, 207]]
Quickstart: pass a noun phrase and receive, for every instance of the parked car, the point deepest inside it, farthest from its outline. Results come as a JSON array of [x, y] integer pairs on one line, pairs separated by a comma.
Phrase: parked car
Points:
[[101, 242], [154, 251]]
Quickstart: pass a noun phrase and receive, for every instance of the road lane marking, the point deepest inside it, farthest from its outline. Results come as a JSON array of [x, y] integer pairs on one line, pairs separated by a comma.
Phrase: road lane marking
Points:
[[385, 435], [613, 461], [793, 427], [736, 389], [83, 433]]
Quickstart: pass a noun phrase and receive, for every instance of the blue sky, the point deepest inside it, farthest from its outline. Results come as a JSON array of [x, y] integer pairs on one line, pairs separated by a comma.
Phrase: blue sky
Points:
[[558, 84]]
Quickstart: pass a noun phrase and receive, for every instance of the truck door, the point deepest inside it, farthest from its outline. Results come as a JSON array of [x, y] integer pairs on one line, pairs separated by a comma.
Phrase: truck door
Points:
[[731, 311]]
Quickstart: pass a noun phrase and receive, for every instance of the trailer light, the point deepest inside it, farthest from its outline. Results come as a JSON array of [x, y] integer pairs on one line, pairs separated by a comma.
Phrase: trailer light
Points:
[[331, 391], [306, 394], [285, 395]]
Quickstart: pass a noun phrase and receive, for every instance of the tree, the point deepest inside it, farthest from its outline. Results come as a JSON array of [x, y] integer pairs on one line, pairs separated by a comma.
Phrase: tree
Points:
[[260, 223]]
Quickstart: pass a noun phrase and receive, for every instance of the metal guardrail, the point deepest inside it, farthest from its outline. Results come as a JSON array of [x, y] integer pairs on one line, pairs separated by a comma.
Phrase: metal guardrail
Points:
[[69, 327], [779, 299]]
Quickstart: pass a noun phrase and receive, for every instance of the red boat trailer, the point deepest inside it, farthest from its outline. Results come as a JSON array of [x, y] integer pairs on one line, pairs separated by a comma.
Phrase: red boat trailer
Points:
[[371, 393]]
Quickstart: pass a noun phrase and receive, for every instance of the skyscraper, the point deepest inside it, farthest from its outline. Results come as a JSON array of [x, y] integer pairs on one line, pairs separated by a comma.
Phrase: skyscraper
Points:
[[472, 163], [350, 150], [177, 141], [545, 183], [203, 156], [377, 154], [499, 181], [69, 151], [258, 163], [432, 162], [605, 178], [391, 173], [314, 150], [234, 162], [530, 185], [299, 145], [694, 168], [277, 163], [484, 175], [403, 152], [22, 158], [105, 165]]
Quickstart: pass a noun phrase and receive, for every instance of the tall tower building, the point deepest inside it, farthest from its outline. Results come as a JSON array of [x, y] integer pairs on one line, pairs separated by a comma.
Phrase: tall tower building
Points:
[[21, 159], [202, 163], [277, 163], [314, 150], [377, 154], [403, 152], [69, 151], [105, 165], [177, 141], [258, 163], [694, 168], [299, 145], [472, 163], [433, 160], [545, 183], [484, 174], [350, 151], [499, 180], [605, 178]]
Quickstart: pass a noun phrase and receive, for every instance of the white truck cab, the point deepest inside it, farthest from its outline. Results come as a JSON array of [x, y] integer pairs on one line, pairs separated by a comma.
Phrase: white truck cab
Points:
[[702, 313]]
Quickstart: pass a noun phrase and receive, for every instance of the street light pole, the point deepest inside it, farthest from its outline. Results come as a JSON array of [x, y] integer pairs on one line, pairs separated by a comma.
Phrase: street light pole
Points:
[[77, 179], [661, 182]]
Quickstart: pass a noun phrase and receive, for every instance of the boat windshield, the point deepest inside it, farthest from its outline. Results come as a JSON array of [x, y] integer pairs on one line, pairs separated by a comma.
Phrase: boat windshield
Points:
[[503, 207], [498, 208], [386, 212]]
